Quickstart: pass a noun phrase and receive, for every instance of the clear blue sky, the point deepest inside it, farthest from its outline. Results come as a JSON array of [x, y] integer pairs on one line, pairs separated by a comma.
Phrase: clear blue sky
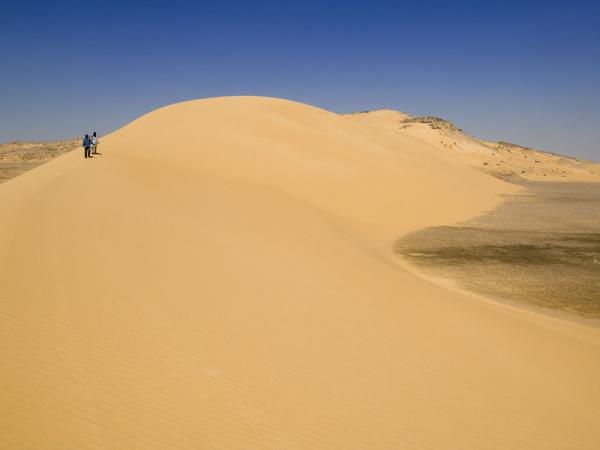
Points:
[[527, 72]]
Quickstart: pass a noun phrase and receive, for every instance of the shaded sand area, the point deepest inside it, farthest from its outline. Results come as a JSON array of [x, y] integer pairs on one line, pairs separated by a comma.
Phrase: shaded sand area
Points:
[[541, 247], [222, 277]]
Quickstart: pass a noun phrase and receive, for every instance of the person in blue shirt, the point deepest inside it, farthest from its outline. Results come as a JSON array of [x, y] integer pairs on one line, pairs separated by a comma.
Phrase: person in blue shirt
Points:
[[87, 145]]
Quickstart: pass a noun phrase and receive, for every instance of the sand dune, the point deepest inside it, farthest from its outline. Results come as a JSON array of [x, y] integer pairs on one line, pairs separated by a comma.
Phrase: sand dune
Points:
[[500, 159], [223, 277]]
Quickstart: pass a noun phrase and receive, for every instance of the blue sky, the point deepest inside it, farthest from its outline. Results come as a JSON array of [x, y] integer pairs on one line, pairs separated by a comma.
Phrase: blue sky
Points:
[[527, 72]]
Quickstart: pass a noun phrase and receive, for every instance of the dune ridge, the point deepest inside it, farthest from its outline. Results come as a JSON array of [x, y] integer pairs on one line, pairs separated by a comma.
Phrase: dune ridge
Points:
[[223, 277]]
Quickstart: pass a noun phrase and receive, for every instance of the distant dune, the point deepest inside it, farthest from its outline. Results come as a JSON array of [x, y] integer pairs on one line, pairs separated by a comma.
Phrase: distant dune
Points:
[[500, 159], [223, 277]]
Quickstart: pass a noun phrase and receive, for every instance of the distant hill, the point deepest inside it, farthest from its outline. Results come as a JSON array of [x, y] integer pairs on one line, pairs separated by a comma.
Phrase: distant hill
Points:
[[500, 159], [19, 156]]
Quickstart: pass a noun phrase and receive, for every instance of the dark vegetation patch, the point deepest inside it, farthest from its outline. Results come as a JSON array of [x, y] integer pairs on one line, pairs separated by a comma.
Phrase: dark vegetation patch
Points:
[[436, 123]]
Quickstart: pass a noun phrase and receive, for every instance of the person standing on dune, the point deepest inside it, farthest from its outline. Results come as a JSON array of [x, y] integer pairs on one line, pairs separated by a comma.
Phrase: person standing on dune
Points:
[[87, 143], [95, 142]]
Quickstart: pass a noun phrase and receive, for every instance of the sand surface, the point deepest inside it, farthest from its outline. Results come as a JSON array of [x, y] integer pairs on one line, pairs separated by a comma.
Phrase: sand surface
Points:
[[223, 277]]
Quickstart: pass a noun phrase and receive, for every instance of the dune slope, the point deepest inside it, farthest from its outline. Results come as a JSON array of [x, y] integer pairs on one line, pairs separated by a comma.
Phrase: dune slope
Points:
[[223, 277]]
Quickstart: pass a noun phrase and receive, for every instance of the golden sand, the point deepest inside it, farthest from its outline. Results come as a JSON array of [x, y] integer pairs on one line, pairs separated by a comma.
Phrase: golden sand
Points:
[[223, 277]]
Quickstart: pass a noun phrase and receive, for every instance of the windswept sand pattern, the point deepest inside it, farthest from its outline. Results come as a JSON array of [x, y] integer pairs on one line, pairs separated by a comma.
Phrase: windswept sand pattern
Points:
[[223, 277]]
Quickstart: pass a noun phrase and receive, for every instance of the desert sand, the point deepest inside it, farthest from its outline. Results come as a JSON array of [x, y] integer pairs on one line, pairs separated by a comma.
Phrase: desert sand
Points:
[[223, 277]]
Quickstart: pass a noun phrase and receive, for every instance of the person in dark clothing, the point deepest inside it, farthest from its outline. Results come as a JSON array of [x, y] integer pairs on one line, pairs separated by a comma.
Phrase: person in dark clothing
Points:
[[87, 145]]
